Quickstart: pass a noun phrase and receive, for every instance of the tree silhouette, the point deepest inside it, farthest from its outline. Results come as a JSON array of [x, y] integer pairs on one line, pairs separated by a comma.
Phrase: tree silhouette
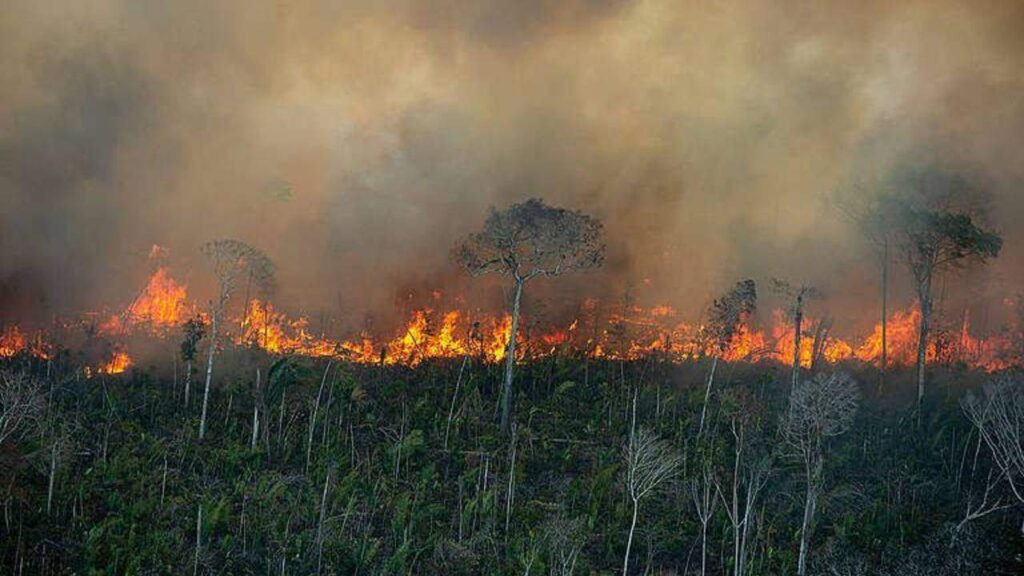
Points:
[[525, 241]]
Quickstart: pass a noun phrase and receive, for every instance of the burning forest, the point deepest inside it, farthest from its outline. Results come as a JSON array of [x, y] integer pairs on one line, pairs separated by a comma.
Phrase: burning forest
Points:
[[512, 287]]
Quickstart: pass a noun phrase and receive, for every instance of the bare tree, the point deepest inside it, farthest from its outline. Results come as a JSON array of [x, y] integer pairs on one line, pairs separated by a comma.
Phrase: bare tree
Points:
[[702, 491], [232, 261], [21, 405], [799, 295], [725, 316], [998, 415], [748, 480], [937, 232], [649, 462], [819, 409], [523, 242], [564, 538]]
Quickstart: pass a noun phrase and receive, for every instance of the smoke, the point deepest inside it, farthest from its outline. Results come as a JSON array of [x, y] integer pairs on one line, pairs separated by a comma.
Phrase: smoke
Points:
[[354, 142]]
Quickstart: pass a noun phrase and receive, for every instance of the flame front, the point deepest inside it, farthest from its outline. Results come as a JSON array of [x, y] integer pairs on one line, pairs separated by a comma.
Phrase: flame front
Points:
[[628, 334]]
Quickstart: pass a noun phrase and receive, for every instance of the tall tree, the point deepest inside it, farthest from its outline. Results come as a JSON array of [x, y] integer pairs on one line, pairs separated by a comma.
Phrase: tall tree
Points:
[[725, 316], [525, 241], [818, 409], [232, 261], [877, 223], [937, 232]]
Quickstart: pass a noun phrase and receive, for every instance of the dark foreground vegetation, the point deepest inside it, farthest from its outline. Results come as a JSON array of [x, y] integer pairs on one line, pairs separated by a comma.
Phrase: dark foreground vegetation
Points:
[[397, 470]]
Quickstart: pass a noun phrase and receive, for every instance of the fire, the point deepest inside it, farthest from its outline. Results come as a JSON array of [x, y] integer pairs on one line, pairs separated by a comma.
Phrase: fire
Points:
[[12, 341], [901, 340], [116, 365], [628, 333], [162, 304]]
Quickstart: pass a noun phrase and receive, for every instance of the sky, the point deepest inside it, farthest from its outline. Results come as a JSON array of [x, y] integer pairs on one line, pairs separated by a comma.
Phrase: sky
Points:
[[355, 142]]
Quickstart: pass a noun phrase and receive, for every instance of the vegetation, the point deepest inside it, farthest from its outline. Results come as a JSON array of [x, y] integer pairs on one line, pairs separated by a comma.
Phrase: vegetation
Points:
[[356, 470]]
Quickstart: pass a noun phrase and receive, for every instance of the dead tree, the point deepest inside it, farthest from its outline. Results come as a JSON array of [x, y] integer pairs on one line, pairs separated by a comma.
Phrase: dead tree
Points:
[[702, 491], [819, 409], [564, 538], [232, 262], [998, 415], [742, 496], [21, 405], [525, 241], [725, 317], [649, 462], [798, 296]]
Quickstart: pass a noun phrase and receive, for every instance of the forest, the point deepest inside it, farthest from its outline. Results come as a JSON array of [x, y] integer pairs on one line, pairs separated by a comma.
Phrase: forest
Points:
[[236, 455], [511, 288]]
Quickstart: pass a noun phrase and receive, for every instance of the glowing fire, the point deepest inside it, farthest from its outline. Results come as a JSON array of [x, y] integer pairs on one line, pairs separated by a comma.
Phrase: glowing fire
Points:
[[162, 304], [116, 365], [12, 341], [629, 333]]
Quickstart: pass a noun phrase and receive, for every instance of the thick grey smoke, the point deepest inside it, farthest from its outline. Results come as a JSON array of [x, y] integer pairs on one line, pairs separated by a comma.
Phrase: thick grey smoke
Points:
[[356, 141]]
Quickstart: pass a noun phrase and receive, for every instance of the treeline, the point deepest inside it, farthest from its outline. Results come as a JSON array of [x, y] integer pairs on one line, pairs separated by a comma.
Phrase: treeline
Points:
[[314, 467]]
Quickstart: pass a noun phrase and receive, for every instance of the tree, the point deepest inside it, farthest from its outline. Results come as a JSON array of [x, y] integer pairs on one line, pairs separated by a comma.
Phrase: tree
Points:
[[751, 468], [998, 415], [232, 261], [819, 409], [725, 317], [799, 296], [649, 462], [21, 405], [525, 241], [937, 232], [194, 329], [876, 221], [564, 538], [704, 502]]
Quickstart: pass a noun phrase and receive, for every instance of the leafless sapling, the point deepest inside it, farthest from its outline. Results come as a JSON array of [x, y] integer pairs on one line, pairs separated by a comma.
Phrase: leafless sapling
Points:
[[998, 415], [819, 409], [564, 540], [649, 462], [21, 405]]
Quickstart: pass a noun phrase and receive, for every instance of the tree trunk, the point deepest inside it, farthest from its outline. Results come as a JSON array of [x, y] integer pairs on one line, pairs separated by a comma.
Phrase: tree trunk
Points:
[[707, 394], [255, 414], [53, 475], [703, 548], [810, 503], [884, 364], [510, 360], [312, 416], [320, 524], [925, 301], [199, 528], [629, 541], [209, 370], [188, 382], [798, 320]]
